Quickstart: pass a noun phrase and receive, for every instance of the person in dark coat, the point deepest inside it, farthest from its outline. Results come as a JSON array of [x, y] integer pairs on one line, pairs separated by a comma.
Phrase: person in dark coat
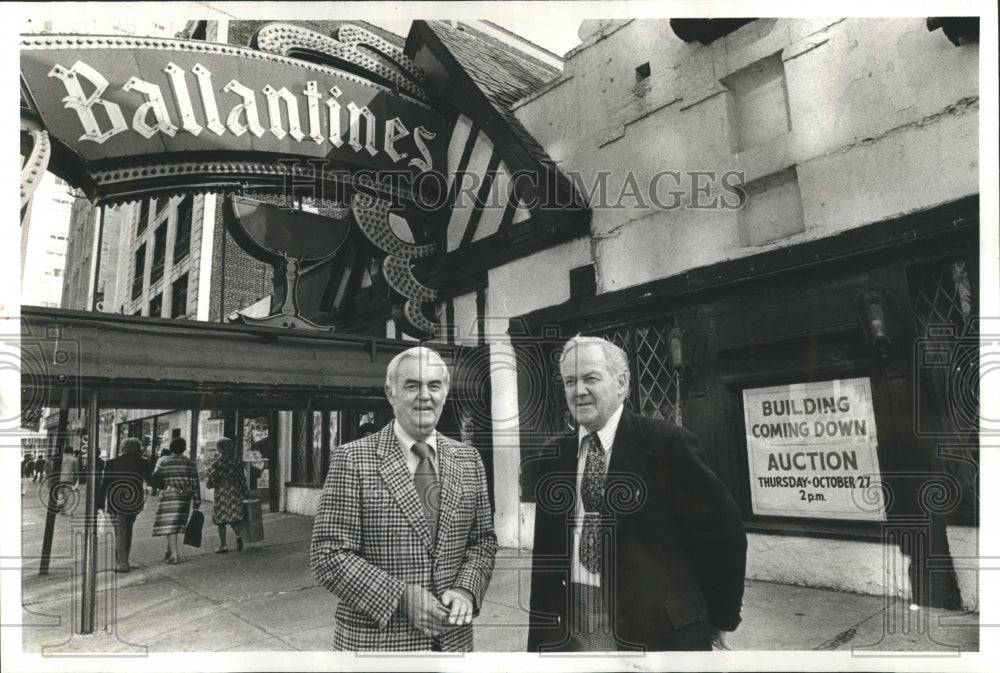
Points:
[[122, 495], [637, 544], [39, 468]]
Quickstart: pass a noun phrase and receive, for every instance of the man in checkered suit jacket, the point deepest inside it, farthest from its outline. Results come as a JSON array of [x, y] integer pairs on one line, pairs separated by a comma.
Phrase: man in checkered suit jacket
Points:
[[410, 565]]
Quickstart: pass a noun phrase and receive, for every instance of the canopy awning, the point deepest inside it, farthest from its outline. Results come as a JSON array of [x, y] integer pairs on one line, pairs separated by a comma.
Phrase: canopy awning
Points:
[[135, 362]]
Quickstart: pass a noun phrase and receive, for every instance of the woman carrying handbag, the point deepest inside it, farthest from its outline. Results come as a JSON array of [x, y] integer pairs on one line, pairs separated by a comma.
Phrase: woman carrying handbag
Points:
[[226, 476], [180, 490]]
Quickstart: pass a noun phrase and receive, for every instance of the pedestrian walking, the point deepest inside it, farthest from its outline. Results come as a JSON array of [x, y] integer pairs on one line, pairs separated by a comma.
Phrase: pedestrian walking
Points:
[[180, 491], [226, 478], [122, 494], [39, 468]]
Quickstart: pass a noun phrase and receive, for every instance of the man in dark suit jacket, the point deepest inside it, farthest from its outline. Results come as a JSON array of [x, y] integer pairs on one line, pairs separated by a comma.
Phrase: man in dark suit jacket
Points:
[[637, 544], [403, 532], [122, 494]]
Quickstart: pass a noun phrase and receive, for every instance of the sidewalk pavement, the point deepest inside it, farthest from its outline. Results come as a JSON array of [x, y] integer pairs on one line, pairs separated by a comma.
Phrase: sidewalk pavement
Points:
[[266, 599]]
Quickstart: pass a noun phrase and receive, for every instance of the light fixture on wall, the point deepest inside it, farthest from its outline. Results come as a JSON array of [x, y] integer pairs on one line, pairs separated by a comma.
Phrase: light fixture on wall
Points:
[[878, 331], [675, 342]]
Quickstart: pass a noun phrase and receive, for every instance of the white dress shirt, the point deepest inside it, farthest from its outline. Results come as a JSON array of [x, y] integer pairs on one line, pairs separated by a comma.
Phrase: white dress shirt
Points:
[[406, 443], [578, 572]]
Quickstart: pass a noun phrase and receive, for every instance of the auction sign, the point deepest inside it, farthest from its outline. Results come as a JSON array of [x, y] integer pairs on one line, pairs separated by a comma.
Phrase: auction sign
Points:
[[812, 450]]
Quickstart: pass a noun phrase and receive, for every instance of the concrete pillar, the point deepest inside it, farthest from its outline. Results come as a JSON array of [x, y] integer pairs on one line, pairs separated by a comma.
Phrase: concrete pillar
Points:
[[283, 452], [506, 443]]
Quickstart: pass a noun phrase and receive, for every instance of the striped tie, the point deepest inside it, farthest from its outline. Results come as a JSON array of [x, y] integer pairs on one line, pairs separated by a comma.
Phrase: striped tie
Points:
[[426, 482]]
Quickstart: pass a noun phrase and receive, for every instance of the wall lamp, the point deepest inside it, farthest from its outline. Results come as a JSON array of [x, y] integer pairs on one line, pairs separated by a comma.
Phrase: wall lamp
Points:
[[878, 332], [675, 342]]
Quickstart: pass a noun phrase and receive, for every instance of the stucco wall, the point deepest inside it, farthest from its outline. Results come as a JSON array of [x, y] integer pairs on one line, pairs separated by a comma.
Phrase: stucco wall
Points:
[[300, 500], [534, 282], [882, 118], [861, 567]]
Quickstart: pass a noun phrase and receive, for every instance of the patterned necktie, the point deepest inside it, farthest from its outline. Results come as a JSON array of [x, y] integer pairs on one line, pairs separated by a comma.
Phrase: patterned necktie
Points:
[[592, 495], [428, 489]]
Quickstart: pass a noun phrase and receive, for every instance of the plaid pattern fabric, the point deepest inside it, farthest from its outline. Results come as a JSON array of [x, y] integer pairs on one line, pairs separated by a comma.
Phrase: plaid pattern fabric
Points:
[[371, 538]]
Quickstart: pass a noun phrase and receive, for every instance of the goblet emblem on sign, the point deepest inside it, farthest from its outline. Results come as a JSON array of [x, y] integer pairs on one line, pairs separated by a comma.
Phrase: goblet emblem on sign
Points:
[[293, 242]]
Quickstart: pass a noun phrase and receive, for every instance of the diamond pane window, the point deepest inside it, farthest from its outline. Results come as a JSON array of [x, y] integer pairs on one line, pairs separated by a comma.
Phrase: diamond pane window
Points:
[[658, 383], [947, 370]]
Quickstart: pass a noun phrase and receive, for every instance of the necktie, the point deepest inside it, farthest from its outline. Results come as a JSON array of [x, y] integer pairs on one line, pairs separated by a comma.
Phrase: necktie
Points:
[[592, 495], [428, 489]]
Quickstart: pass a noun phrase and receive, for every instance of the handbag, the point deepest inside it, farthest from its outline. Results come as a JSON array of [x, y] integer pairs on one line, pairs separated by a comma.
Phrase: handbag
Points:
[[192, 532]]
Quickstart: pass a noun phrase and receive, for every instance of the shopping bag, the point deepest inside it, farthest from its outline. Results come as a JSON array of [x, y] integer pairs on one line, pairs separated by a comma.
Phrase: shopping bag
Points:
[[192, 533], [253, 521], [104, 524]]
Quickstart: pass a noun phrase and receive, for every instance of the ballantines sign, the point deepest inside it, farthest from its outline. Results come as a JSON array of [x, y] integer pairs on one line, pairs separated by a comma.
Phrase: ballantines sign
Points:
[[125, 113]]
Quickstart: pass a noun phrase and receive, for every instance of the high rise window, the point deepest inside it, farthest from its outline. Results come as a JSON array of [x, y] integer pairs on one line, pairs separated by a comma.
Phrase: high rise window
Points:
[[138, 270], [182, 239], [178, 304], [156, 306], [144, 207], [159, 252]]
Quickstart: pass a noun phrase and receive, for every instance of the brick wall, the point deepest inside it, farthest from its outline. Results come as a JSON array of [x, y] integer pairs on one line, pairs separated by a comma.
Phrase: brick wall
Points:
[[243, 279]]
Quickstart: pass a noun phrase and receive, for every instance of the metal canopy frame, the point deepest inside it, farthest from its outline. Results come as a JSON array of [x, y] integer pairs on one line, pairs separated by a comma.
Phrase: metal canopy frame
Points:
[[151, 363]]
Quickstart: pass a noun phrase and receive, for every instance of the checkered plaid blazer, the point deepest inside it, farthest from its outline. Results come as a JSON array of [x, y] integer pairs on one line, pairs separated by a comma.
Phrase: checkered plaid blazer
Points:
[[370, 539]]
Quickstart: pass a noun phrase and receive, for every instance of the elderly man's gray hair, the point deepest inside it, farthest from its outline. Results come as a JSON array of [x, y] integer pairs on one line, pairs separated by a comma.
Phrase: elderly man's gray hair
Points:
[[421, 353], [616, 358]]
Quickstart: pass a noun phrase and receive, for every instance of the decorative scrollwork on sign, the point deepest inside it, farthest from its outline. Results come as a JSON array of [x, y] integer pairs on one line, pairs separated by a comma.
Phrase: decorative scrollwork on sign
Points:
[[35, 165], [382, 60], [416, 318], [372, 216], [399, 274]]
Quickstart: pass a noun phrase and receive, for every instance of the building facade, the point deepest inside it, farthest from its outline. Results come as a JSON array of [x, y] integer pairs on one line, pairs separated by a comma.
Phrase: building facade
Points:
[[854, 254], [778, 220]]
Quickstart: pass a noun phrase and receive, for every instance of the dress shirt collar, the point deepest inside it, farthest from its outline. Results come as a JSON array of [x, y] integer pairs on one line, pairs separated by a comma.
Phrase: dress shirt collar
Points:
[[406, 441], [605, 434]]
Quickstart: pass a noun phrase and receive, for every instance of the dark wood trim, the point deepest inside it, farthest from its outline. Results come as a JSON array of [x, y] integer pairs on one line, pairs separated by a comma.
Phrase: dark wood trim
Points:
[[951, 225], [482, 197], [463, 166], [858, 531]]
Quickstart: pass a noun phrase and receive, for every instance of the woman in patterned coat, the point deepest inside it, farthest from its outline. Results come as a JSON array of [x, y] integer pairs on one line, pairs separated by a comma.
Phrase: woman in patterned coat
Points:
[[180, 490], [226, 476]]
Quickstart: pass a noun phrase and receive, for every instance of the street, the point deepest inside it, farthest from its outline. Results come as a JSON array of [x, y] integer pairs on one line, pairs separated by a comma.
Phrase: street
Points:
[[266, 599]]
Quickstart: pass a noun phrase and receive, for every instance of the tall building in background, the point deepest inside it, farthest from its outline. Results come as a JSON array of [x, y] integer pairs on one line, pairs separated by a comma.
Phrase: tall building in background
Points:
[[43, 242]]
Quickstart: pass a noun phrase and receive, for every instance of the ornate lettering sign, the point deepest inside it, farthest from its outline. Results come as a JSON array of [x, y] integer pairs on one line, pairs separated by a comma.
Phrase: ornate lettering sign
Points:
[[130, 116], [812, 450]]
